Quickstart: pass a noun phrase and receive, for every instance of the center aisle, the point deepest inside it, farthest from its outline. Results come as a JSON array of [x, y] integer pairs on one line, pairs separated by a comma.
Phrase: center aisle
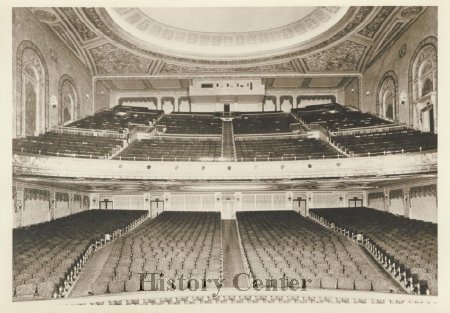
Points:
[[232, 258]]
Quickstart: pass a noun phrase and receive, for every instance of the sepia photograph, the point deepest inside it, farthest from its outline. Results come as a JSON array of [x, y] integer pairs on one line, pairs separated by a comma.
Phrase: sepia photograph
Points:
[[185, 156]]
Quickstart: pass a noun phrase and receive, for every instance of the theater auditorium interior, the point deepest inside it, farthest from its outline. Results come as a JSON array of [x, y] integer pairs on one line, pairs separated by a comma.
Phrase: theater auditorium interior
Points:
[[224, 155]]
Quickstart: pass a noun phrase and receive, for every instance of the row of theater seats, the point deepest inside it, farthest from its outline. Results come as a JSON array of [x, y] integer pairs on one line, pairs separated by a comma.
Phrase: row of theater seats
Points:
[[287, 148], [118, 118], [285, 244], [191, 123], [68, 145], [263, 123], [44, 254], [387, 142], [411, 243], [173, 244], [336, 117], [170, 149]]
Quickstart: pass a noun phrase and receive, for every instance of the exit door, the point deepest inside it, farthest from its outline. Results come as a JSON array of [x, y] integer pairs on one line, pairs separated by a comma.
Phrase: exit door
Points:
[[228, 211], [355, 203], [106, 204], [156, 207], [226, 109], [300, 206]]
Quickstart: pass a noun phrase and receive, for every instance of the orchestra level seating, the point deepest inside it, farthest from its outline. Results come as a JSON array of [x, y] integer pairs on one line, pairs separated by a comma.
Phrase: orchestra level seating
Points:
[[263, 123], [387, 142], [413, 243], [191, 123], [171, 149], [286, 149], [285, 244], [173, 244], [43, 254], [68, 145]]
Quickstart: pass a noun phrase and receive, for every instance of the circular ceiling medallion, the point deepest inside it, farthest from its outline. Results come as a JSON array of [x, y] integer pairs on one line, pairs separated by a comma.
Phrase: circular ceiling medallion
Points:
[[224, 33], [45, 16]]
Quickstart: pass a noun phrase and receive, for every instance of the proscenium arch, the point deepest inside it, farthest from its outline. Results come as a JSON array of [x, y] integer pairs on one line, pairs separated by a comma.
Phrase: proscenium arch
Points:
[[388, 75], [21, 49], [428, 41], [62, 80]]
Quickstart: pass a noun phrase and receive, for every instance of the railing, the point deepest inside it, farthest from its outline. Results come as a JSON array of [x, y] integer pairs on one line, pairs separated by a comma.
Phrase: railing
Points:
[[369, 130], [88, 132], [72, 274], [222, 159], [268, 136], [396, 269], [244, 257]]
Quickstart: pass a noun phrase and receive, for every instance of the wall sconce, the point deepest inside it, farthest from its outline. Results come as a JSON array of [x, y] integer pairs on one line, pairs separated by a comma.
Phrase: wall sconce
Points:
[[87, 96], [352, 90], [218, 199], [54, 101], [367, 93], [167, 199], [340, 198], [289, 198], [403, 98], [237, 199], [146, 199], [309, 198]]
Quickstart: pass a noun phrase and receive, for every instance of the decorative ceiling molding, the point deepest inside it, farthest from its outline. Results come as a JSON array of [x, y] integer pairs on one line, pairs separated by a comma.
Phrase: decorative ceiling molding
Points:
[[111, 60], [341, 58], [100, 20], [353, 44], [271, 68], [372, 28]]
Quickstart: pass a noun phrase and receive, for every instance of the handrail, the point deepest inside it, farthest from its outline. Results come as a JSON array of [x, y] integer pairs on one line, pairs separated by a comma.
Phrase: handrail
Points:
[[368, 129], [87, 132], [221, 159], [394, 268]]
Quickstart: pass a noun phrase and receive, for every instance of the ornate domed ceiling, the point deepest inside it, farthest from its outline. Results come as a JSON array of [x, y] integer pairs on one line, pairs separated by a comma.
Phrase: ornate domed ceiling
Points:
[[223, 33], [198, 41]]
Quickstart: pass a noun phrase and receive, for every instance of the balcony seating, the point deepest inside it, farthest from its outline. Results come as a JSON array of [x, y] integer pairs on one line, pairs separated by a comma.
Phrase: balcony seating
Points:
[[387, 142], [118, 118], [174, 244], [190, 123], [170, 149], [335, 117], [284, 244], [263, 123], [412, 243], [67, 145], [43, 254], [288, 149]]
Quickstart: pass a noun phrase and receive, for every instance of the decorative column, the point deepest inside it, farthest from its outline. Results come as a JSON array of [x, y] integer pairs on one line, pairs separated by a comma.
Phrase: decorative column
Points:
[[289, 196], [20, 203], [407, 202], [386, 200], [52, 203], [167, 205], [309, 201]]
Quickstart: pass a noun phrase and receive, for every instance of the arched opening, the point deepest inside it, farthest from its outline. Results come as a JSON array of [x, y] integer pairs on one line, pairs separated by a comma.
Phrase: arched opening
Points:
[[31, 109], [167, 107], [69, 107], [423, 86], [387, 97]]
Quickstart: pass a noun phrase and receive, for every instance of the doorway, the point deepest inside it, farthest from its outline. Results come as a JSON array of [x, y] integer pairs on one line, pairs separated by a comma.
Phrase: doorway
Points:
[[228, 211], [156, 207], [106, 204], [226, 109], [300, 206], [355, 202]]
